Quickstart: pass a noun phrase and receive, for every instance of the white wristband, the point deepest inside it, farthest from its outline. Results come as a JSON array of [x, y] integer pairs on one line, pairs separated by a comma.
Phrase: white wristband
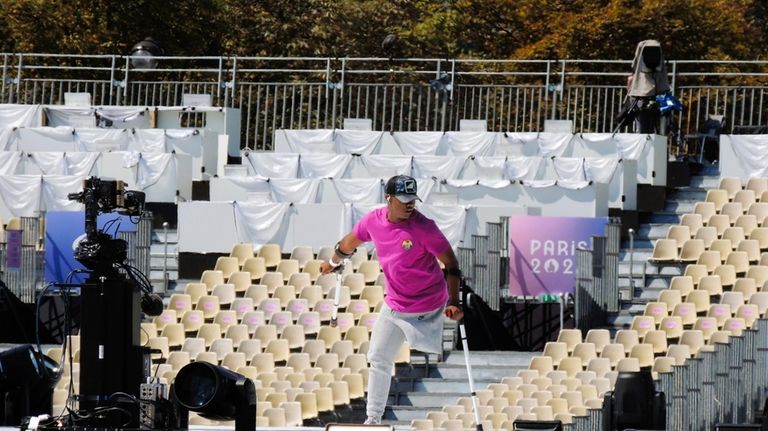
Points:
[[333, 264]]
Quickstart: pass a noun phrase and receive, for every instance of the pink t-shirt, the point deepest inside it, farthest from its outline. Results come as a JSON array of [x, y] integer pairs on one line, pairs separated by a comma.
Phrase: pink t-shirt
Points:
[[407, 251]]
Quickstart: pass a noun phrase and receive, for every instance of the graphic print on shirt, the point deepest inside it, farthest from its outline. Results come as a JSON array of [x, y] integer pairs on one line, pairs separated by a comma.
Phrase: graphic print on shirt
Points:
[[407, 244]]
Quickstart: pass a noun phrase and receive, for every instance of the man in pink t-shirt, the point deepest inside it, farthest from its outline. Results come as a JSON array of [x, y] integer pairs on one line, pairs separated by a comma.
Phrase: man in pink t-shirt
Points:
[[419, 294]]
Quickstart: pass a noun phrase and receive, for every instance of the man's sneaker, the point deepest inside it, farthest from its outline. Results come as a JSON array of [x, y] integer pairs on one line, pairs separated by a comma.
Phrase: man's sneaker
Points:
[[372, 421]]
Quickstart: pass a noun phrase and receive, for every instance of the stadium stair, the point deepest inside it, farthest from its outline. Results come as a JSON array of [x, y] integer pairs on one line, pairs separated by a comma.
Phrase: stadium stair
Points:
[[649, 279]]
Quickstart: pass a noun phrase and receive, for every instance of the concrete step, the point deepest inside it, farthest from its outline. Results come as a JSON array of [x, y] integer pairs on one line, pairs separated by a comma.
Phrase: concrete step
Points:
[[430, 385], [680, 207], [663, 217], [651, 231], [640, 267], [157, 262], [651, 281], [158, 249], [687, 194], [706, 182], [159, 236], [489, 358]]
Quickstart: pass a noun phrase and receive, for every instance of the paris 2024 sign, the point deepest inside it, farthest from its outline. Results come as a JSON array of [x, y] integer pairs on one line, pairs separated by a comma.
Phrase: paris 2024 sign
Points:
[[542, 252]]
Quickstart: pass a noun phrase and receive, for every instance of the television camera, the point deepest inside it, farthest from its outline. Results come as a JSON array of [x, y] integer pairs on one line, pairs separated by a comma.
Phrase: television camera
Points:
[[98, 251]]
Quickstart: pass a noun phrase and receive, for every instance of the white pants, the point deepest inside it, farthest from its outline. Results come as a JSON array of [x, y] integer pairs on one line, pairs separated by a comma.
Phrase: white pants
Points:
[[423, 331]]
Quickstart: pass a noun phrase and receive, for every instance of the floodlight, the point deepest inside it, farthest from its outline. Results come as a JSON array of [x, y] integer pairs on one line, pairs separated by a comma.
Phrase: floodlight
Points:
[[143, 53]]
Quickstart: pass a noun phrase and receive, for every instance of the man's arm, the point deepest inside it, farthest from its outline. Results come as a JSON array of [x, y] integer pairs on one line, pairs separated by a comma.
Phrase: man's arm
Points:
[[453, 278], [347, 245]]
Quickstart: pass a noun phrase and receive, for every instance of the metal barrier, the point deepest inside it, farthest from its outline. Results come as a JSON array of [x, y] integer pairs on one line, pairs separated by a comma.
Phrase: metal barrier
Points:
[[306, 92], [597, 278], [24, 280]]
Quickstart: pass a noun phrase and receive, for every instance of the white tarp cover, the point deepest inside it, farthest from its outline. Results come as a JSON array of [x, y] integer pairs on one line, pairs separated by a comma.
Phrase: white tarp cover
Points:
[[149, 167], [43, 139], [27, 195], [490, 167], [294, 190], [359, 190], [450, 219], [115, 117], [357, 141], [440, 167], [309, 140], [322, 165], [569, 168], [600, 169], [273, 165], [92, 139], [522, 168], [71, 116], [418, 143], [547, 144], [55, 191], [625, 145], [60, 163], [258, 223], [9, 161], [386, 165], [12, 115], [752, 154], [465, 144]]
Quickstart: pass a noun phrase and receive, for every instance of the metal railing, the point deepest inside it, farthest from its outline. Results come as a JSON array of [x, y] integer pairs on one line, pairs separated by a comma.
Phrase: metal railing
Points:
[[597, 278], [396, 94], [485, 264]]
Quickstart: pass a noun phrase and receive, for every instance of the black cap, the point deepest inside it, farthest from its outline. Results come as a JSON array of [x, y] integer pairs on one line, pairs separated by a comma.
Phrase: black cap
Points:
[[403, 188]]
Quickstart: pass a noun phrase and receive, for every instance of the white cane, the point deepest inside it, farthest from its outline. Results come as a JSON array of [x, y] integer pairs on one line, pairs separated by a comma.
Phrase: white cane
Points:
[[475, 402]]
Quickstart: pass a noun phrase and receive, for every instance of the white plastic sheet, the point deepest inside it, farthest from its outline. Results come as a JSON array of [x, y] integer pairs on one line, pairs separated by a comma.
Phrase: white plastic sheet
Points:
[[151, 167], [600, 169], [148, 141], [122, 117], [441, 167], [294, 190], [522, 168], [91, 139], [553, 144], [467, 144], [359, 190], [21, 194], [71, 116], [309, 140], [44, 139], [418, 143], [386, 165], [490, 168], [450, 219], [274, 165], [258, 223], [9, 161], [569, 168], [357, 141], [55, 190], [12, 115], [752, 154], [320, 165]]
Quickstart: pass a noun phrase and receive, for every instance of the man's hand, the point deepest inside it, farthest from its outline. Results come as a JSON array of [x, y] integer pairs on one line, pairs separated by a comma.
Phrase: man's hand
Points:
[[453, 312], [327, 268]]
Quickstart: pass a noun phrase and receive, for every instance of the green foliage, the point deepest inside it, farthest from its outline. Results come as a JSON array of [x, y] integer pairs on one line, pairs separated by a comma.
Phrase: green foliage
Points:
[[530, 29]]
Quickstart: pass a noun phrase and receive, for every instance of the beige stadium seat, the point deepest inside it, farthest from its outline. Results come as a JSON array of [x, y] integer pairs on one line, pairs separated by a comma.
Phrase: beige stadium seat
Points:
[[657, 310], [571, 337], [643, 324], [542, 382], [272, 280], [746, 286], [310, 321], [312, 268], [195, 291], [757, 184], [193, 346], [686, 311], [542, 364], [759, 210], [598, 337], [731, 185], [665, 250], [628, 364], [643, 353], [681, 353], [325, 253], [256, 266], [374, 294], [233, 360], [727, 274], [241, 252], [287, 267], [225, 319], [657, 339], [733, 210], [242, 306], [733, 299], [695, 272], [299, 280], [733, 234], [600, 366], [571, 365], [241, 280], [237, 333], [174, 332], [227, 265], [693, 221], [161, 344], [628, 337], [257, 292], [719, 312], [707, 234], [250, 347], [253, 319], [747, 223], [271, 253], [225, 292], [679, 233], [613, 352], [370, 270], [739, 260], [710, 259], [748, 312], [761, 300], [662, 364], [360, 256], [355, 282], [752, 248], [302, 254], [705, 210], [585, 352], [691, 250], [672, 325], [700, 298], [211, 278], [269, 306], [221, 346], [760, 234], [527, 375], [556, 351], [165, 318], [672, 297], [759, 273], [312, 294], [180, 302], [718, 197], [209, 305]]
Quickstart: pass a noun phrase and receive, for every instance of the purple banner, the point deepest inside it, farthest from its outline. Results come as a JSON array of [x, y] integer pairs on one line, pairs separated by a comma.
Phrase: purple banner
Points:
[[542, 252], [13, 250]]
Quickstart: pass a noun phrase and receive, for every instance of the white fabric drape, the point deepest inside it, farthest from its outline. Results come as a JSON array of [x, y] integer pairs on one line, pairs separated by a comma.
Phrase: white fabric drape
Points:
[[386, 165], [151, 167], [418, 143], [538, 184], [21, 194], [6, 138], [600, 169], [184, 141], [309, 140], [569, 168], [573, 184], [490, 168], [50, 162], [71, 116], [274, 165], [55, 190], [461, 183], [357, 141], [148, 141], [102, 139], [470, 143], [12, 115], [450, 219], [320, 165], [553, 144], [122, 117], [9, 161], [522, 168], [441, 167], [752, 153], [359, 190], [528, 143], [494, 184], [294, 190], [258, 223], [424, 187], [250, 184], [55, 138]]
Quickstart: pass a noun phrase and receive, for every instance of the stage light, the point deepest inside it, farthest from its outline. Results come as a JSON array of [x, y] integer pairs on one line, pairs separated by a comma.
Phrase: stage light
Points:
[[143, 54], [522, 425], [27, 379], [634, 403], [217, 393]]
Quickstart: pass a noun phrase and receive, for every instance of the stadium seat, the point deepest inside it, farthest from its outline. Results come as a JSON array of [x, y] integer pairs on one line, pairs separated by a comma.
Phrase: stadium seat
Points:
[[746, 222], [598, 337], [211, 278], [731, 185], [195, 291], [225, 292], [718, 197], [705, 210], [679, 233], [665, 250], [733, 210], [287, 267], [613, 352], [757, 184], [727, 274], [693, 221], [271, 253], [556, 351]]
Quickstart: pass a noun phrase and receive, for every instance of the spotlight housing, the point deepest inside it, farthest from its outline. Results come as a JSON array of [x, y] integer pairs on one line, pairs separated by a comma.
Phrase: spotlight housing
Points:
[[143, 54]]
